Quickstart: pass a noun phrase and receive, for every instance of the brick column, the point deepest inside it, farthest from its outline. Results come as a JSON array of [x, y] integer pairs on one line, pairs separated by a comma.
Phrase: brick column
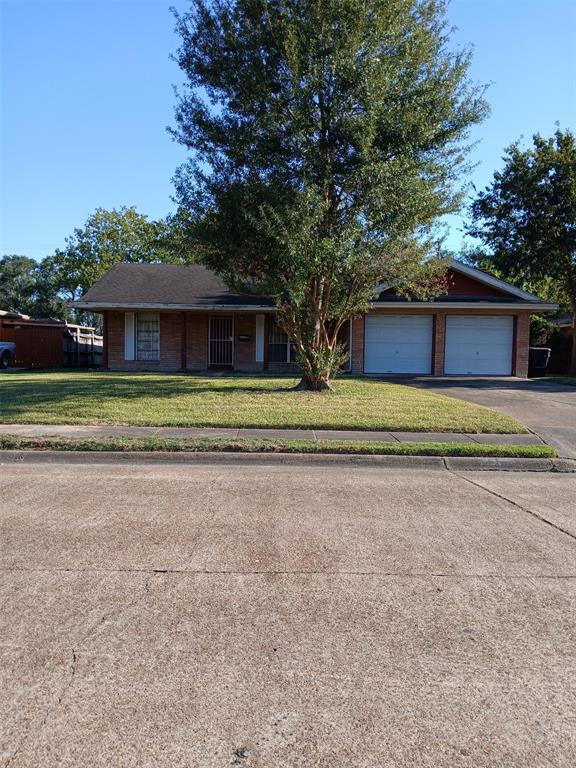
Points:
[[183, 341], [522, 343], [439, 343], [105, 340], [357, 361]]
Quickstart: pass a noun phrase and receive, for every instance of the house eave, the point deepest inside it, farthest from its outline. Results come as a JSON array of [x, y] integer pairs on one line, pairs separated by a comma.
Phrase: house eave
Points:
[[402, 306], [97, 306]]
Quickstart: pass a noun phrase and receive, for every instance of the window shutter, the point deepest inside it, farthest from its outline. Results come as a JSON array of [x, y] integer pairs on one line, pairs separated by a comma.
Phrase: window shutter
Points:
[[259, 338], [129, 336]]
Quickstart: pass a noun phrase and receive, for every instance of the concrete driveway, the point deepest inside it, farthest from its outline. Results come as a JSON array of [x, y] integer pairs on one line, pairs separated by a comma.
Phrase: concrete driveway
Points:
[[279, 617], [547, 408]]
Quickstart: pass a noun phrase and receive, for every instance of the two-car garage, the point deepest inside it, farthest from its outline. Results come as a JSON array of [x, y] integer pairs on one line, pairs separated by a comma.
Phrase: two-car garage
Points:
[[474, 344]]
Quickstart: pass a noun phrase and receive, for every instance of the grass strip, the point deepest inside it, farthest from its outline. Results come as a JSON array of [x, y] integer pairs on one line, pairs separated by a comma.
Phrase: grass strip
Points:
[[203, 445]]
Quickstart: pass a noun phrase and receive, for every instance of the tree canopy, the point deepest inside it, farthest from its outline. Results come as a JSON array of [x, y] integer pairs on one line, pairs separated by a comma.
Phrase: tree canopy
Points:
[[45, 288], [27, 286], [111, 237], [527, 217], [327, 137]]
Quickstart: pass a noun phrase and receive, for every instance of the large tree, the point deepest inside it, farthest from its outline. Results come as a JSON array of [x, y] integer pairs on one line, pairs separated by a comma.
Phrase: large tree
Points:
[[327, 137], [107, 238], [17, 283], [527, 217], [27, 287]]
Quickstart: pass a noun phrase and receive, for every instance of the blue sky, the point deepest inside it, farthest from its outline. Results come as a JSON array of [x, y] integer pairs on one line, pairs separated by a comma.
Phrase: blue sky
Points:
[[87, 95]]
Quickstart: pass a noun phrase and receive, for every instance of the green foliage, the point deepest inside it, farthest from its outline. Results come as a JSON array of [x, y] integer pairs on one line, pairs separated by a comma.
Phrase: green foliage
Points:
[[17, 283], [29, 287], [527, 218], [107, 238], [43, 289], [327, 138]]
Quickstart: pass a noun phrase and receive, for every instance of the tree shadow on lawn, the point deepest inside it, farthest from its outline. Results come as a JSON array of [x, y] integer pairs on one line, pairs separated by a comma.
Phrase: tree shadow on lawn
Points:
[[18, 396]]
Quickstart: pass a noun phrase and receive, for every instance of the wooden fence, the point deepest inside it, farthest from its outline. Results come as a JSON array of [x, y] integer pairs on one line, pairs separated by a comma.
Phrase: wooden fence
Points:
[[43, 345]]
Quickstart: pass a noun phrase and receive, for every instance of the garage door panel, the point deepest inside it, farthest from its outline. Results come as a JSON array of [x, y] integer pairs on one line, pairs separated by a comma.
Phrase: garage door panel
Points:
[[479, 345], [398, 344]]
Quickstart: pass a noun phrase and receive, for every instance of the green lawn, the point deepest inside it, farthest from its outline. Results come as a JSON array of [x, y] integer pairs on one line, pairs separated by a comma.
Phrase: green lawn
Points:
[[223, 445], [84, 397]]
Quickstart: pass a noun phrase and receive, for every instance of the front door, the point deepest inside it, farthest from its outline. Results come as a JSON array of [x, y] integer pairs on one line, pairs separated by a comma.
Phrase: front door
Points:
[[221, 341]]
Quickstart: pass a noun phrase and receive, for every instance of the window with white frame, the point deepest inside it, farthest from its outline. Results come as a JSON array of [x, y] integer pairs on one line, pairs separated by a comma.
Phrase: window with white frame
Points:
[[147, 336], [280, 350]]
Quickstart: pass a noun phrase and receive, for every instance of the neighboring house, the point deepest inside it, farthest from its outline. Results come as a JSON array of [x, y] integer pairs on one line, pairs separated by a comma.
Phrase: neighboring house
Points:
[[171, 317], [47, 343]]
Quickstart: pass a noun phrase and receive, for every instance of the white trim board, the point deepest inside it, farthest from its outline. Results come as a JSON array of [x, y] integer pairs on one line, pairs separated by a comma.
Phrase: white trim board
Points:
[[404, 306], [129, 336]]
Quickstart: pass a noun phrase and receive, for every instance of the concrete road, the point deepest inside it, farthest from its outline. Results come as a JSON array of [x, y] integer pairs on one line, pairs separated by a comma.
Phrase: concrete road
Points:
[[546, 407], [172, 616]]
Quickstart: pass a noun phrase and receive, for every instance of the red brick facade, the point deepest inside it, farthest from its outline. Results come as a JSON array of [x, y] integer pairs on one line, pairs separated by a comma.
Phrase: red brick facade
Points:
[[521, 345], [193, 344]]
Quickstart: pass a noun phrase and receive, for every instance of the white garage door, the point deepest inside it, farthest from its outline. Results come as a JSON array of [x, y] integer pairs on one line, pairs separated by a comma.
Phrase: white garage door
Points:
[[480, 345], [398, 344]]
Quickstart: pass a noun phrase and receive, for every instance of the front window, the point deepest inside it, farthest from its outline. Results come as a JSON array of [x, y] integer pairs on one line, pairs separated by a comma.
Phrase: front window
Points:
[[147, 336], [280, 350]]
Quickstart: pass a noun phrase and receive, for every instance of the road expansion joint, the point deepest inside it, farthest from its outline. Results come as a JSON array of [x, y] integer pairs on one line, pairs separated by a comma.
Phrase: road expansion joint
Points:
[[278, 572], [528, 511]]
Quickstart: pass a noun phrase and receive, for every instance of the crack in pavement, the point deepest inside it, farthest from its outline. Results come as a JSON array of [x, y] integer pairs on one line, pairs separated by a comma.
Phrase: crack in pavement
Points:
[[65, 688], [73, 667], [500, 496], [280, 572]]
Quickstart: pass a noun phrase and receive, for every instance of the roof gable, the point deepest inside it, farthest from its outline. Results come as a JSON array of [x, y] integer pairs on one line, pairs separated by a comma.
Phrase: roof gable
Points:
[[499, 287], [465, 283]]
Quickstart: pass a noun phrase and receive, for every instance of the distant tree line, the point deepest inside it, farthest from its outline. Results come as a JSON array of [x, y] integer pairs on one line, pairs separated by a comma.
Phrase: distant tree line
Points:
[[45, 288]]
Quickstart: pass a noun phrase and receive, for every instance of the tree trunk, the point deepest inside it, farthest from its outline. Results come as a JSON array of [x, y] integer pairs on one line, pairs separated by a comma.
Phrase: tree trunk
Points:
[[319, 383]]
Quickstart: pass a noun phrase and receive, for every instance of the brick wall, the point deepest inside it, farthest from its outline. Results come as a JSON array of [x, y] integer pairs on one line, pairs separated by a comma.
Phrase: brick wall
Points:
[[170, 330], [522, 334], [196, 341], [245, 351], [438, 344], [357, 363], [171, 343]]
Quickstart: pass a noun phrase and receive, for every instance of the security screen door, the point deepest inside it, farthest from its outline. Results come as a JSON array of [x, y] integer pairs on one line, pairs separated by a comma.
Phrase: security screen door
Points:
[[221, 341]]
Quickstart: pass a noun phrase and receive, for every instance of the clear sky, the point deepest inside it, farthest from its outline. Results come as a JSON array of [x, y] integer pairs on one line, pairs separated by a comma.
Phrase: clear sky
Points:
[[87, 95]]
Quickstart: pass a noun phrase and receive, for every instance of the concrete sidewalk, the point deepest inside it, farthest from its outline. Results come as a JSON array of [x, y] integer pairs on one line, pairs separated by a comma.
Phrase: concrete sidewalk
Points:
[[82, 431]]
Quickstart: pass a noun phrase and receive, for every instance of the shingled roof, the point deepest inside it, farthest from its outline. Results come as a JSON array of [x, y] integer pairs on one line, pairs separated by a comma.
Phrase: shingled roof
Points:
[[169, 286]]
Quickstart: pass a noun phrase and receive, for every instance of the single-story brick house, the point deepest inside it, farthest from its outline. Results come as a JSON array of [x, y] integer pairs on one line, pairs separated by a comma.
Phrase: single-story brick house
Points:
[[170, 317]]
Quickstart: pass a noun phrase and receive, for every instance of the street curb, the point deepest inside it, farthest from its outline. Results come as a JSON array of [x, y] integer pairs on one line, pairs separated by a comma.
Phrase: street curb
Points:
[[461, 463]]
